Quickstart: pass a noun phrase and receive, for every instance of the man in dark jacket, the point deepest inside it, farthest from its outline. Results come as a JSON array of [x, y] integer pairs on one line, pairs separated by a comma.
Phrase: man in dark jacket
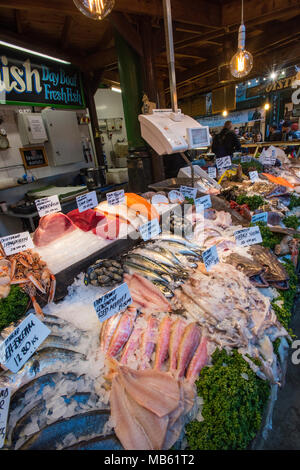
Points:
[[226, 142], [275, 135]]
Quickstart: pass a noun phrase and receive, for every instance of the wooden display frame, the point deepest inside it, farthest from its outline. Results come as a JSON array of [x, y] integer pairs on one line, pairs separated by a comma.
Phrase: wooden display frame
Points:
[[23, 152]]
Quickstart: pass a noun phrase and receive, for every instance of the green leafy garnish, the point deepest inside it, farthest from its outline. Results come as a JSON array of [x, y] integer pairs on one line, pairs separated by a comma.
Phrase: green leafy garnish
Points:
[[291, 221], [13, 307], [270, 239], [253, 202]]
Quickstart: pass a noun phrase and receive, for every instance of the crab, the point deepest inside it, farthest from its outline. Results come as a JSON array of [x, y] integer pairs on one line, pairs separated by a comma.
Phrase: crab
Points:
[[27, 270]]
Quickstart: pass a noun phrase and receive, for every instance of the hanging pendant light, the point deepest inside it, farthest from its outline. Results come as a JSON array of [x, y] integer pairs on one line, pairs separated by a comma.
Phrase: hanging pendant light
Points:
[[242, 62], [95, 9]]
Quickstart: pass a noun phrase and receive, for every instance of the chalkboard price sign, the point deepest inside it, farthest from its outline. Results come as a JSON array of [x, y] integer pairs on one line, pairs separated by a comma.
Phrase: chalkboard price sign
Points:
[[34, 157]]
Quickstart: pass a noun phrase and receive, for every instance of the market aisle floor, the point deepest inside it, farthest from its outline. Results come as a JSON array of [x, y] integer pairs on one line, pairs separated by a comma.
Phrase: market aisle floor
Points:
[[285, 434]]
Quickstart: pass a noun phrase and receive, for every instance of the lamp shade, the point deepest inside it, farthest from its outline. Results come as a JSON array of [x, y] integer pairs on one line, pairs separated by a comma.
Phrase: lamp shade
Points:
[[95, 9]]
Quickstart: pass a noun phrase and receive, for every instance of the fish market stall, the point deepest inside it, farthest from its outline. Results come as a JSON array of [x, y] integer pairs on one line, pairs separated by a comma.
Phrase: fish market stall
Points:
[[203, 309]]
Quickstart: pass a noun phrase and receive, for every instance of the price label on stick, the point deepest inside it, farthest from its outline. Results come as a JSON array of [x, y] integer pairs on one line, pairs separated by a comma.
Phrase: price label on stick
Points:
[[253, 175], [224, 162], [22, 343], [13, 244], [116, 197], [189, 192], [87, 201], [248, 236], [210, 257], [4, 407], [205, 201], [113, 302], [212, 171], [150, 230], [48, 205]]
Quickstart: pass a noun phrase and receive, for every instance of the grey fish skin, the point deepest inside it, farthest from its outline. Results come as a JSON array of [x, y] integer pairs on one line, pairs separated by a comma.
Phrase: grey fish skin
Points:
[[179, 241], [81, 425], [164, 290], [147, 263], [134, 268], [168, 254], [157, 257], [189, 253], [102, 443]]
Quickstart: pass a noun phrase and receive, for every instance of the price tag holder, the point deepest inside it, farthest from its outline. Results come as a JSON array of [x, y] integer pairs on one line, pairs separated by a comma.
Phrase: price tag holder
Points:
[[4, 407], [113, 302], [210, 257], [224, 162], [87, 201], [175, 197], [48, 205], [22, 343], [212, 171], [253, 175], [13, 244], [205, 201], [248, 236], [116, 197], [262, 217], [189, 192], [150, 230]]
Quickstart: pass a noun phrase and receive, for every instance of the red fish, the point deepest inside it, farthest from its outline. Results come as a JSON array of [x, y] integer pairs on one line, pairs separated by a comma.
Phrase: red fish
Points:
[[199, 361], [122, 333], [187, 348], [163, 342]]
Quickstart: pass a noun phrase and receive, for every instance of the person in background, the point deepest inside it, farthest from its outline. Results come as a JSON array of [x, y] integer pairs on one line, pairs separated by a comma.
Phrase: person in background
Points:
[[257, 137], [287, 133], [274, 134], [295, 130], [226, 142]]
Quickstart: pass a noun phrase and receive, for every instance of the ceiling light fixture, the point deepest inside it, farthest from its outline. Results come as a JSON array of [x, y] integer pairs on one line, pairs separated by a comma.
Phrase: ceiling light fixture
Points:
[[225, 113], [267, 106], [95, 9], [242, 62], [273, 75], [23, 49]]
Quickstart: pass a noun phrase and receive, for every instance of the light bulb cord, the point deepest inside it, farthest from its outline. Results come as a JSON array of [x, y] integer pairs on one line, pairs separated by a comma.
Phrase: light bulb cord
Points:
[[242, 12]]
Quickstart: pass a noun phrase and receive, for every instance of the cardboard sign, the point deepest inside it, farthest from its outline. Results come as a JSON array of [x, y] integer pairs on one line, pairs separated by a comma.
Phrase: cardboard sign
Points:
[[253, 175], [150, 230], [22, 343], [87, 201], [48, 205], [210, 257], [212, 171], [115, 198], [205, 201], [13, 244], [248, 236], [113, 302], [4, 407], [224, 162], [189, 192], [262, 217]]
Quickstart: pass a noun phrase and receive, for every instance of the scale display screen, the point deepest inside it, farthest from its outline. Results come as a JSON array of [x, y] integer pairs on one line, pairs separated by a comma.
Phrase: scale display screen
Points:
[[198, 137]]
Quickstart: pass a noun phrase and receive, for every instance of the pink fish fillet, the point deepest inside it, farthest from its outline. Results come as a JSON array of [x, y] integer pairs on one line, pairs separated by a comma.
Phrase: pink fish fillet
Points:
[[176, 336], [122, 333], [199, 360], [149, 341], [157, 296], [107, 331], [132, 345], [187, 348], [163, 342]]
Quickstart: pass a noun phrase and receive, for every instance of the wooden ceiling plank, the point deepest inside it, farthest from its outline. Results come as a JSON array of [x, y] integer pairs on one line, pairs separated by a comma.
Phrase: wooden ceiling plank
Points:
[[18, 21], [231, 12], [66, 31]]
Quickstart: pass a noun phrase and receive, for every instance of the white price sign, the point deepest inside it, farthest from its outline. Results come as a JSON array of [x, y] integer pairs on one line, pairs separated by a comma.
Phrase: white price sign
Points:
[[246, 158], [224, 162], [87, 201], [205, 201], [4, 407], [48, 205], [13, 244], [248, 236], [212, 171], [189, 192], [22, 343], [150, 230], [116, 197], [253, 175], [113, 302], [210, 257], [175, 197]]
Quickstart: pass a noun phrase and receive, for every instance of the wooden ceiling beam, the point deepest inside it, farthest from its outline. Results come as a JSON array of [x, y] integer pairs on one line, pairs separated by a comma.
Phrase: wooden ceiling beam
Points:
[[127, 31], [200, 12], [100, 59], [18, 21], [261, 11], [66, 32]]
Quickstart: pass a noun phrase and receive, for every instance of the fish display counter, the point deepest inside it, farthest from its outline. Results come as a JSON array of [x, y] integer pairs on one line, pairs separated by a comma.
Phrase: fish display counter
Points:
[[167, 300]]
